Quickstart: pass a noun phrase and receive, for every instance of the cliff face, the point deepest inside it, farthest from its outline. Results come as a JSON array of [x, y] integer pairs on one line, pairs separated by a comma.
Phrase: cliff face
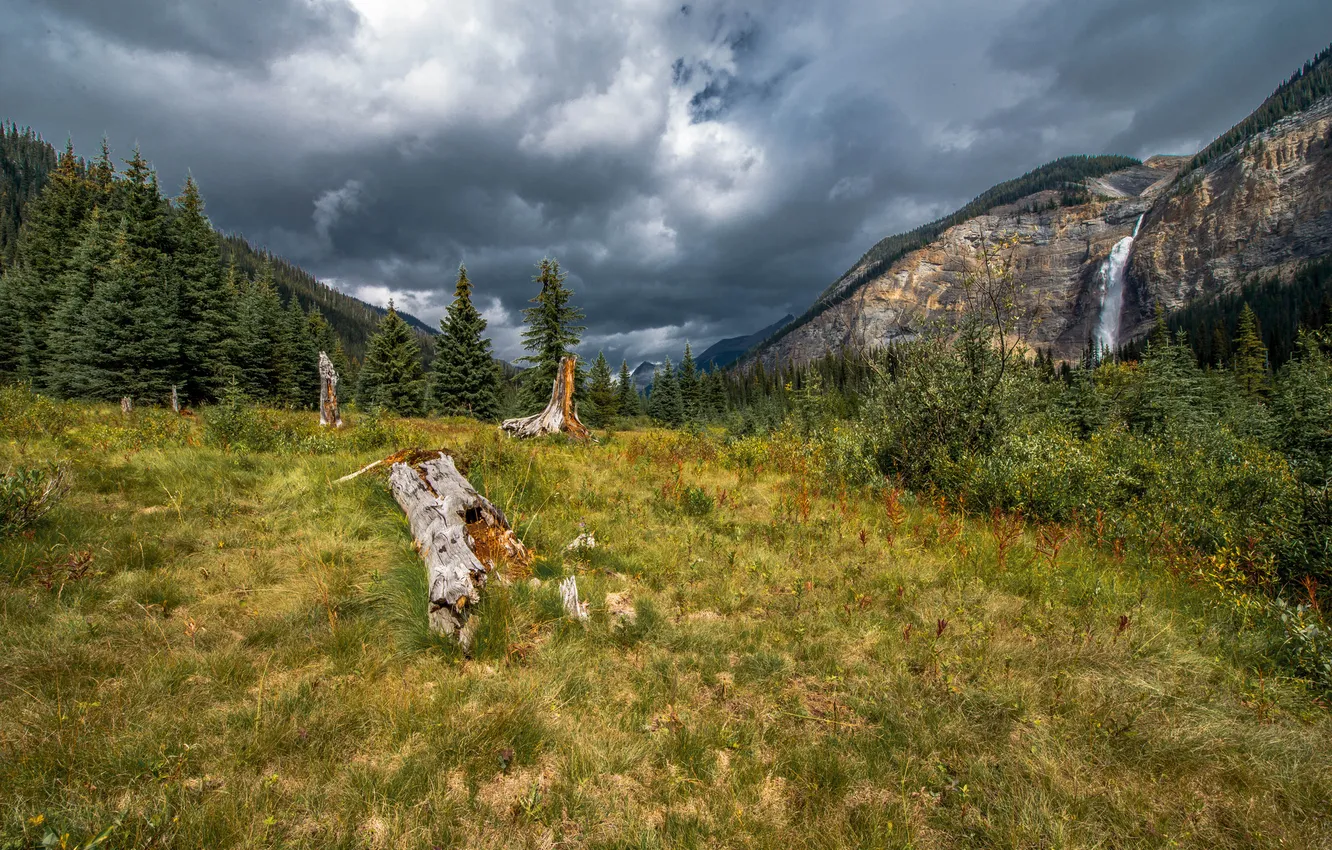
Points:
[[1259, 210]]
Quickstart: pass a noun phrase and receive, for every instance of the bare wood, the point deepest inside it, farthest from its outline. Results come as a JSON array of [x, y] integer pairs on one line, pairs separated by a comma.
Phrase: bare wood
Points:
[[461, 536], [126, 405], [559, 415], [329, 414], [175, 399], [364, 469]]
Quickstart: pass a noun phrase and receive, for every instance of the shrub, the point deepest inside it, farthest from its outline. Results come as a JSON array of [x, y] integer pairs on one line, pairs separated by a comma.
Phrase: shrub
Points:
[[26, 495]]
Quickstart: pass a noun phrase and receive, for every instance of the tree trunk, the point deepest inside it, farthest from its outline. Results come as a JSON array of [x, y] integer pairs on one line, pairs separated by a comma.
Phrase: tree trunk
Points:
[[126, 405], [461, 536], [328, 393], [559, 415], [175, 399]]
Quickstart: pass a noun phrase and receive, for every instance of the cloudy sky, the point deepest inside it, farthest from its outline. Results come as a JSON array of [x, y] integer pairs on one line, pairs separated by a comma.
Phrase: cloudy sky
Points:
[[698, 169]]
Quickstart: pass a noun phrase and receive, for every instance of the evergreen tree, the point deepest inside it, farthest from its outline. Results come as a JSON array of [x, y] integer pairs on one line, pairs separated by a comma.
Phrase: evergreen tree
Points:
[[465, 377], [70, 346], [690, 392], [392, 377], [128, 341], [551, 335], [1303, 406], [714, 394], [260, 331], [1250, 362], [627, 401], [50, 234], [601, 393], [204, 312], [297, 360], [665, 404]]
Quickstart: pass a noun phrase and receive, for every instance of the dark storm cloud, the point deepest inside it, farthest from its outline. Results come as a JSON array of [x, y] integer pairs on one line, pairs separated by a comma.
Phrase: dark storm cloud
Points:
[[238, 31], [699, 170]]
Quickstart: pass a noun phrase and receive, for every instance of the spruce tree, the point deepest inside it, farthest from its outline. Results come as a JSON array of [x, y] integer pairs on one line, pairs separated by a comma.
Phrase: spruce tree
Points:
[[297, 361], [464, 377], [260, 331], [601, 395], [551, 335], [204, 313], [1250, 361], [628, 402], [392, 377], [714, 394], [665, 404], [70, 347], [690, 391]]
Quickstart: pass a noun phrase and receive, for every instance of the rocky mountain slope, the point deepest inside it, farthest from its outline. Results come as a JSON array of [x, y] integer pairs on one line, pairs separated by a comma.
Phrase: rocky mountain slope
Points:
[[1261, 209]]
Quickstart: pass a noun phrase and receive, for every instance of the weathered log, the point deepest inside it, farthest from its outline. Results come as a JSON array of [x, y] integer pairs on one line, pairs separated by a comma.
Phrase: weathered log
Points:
[[559, 415], [328, 393], [461, 536]]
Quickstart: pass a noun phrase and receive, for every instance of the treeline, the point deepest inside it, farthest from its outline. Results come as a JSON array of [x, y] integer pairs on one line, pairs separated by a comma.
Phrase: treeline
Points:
[[25, 161], [1065, 174], [1281, 309], [116, 291], [1307, 86]]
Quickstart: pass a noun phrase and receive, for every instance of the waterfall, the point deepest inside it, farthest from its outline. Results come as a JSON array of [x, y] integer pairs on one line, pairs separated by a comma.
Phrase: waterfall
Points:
[[1111, 275]]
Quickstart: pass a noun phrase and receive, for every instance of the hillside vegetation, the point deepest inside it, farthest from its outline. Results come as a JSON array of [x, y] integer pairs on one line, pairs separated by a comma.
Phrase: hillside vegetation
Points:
[[209, 643]]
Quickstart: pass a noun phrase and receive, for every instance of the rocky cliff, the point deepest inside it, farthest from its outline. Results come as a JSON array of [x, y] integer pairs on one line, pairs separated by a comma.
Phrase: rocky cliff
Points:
[[1261, 209]]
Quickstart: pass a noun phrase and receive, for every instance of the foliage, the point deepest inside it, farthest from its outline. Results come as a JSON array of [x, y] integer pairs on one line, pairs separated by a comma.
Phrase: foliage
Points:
[[27, 494], [465, 377], [391, 376], [552, 333]]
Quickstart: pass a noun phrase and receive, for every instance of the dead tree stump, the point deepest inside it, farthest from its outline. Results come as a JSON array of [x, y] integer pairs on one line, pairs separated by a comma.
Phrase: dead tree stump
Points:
[[126, 405], [461, 536], [559, 415], [328, 393]]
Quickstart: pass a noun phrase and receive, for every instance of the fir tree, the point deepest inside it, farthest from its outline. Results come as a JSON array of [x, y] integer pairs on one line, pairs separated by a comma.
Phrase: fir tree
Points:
[[628, 402], [714, 394], [204, 312], [392, 377], [690, 392], [1250, 361], [601, 394], [70, 347], [551, 335], [260, 332], [665, 404], [465, 377], [297, 360]]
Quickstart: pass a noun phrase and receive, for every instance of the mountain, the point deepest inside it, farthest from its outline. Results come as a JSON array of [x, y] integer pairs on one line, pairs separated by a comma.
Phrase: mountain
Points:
[[726, 351], [642, 376], [1255, 204], [352, 319]]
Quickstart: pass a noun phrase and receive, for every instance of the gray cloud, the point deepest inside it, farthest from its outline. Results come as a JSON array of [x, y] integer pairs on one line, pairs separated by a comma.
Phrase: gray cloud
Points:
[[699, 170]]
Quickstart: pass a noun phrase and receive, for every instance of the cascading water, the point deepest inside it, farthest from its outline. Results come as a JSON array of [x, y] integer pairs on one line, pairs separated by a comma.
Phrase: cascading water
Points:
[[1111, 275]]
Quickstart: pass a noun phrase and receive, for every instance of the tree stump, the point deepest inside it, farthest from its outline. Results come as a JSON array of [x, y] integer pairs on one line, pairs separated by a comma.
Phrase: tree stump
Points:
[[175, 399], [126, 405], [559, 415], [328, 393], [461, 536]]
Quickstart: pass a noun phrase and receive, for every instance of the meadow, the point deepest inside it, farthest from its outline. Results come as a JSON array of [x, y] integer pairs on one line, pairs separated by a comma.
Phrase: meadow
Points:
[[210, 643]]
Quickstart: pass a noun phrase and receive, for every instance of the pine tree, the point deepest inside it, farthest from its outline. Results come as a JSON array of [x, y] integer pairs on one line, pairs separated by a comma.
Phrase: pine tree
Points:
[[392, 377], [260, 331], [203, 309], [628, 402], [465, 377], [127, 346], [1250, 361], [690, 393], [603, 401], [551, 335], [65, 367], [714, 394], [50, 234], [297, 360], [665, 404]]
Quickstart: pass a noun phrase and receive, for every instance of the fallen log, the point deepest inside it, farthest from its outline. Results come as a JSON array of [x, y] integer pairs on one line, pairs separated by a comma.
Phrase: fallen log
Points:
[[559, 415], [461, 536]]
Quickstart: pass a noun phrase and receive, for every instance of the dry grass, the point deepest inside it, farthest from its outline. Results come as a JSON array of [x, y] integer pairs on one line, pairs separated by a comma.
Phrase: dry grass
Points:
[[245, 663]]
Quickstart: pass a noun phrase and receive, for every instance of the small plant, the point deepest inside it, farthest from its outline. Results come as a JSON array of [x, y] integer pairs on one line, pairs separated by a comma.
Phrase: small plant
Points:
[[26, 495], [1007, 529], [695, 501]]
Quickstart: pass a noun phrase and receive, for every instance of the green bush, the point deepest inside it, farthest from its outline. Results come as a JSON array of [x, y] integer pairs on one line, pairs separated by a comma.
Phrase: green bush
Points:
[[26, 495]]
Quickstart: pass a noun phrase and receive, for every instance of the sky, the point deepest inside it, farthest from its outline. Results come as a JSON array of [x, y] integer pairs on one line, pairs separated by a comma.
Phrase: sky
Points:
[[698, 169]]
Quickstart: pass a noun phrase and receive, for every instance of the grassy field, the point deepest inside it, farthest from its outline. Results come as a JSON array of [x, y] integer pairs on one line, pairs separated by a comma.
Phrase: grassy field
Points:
[[212, 648]]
